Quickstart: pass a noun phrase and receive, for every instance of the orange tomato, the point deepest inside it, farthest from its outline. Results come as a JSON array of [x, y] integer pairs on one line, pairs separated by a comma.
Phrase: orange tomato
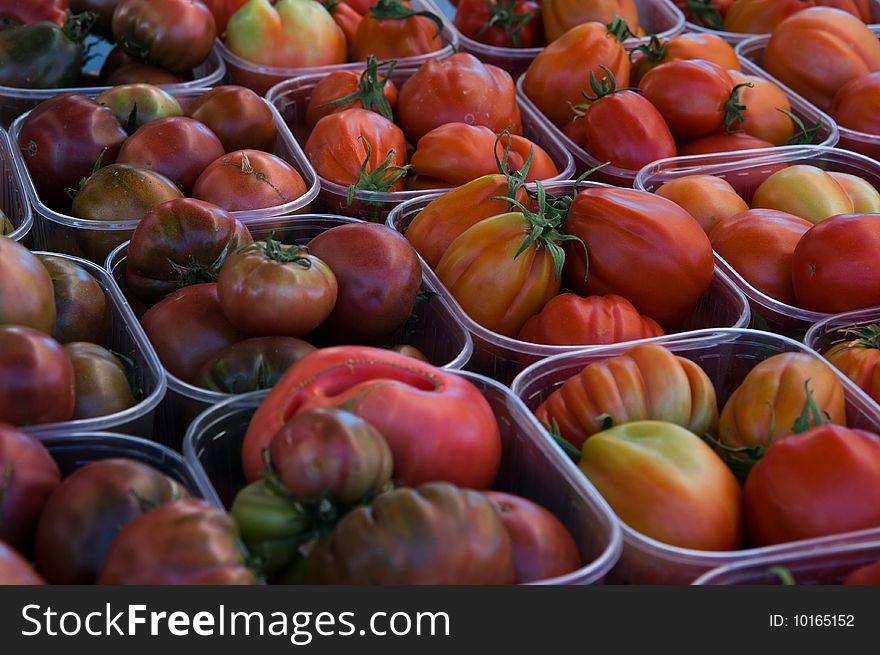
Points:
[[761, 16], [764, 115], [854, 105], [864, 197], [692, 45], [705, 197], [859, 359], [560, 16], [385, 37], [805, 191]]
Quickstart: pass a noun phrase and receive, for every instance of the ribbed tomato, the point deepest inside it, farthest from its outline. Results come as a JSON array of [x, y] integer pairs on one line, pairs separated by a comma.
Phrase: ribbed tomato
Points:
[[859, 358]]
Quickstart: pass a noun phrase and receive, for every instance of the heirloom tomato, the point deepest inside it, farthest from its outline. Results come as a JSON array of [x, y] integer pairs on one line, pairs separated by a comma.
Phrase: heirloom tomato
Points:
[[691, 45], [349, 89], [246, 180], [239, 117], [859, 358], [723, 142], [851, 105], [761, 16], [99, 380], [765, 109], [392, 29], [251, 364], [27, 296], [223, 11], [707, 198], [15, 569], [805, 191], [137, 104], [864, 575], [80, 303], [438, 425], [865, 198], [345, 16], [501, 23], [561, 15]]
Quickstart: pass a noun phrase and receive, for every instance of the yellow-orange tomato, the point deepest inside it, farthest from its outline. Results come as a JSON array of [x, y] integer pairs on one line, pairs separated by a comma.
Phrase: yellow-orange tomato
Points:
[[805, 191], [855, 105], [761, 16], [865, 198], [646, 382], [772, 397], [759, 244], [705, 197], [692, 45], [859, 359], [559, 16], [816, 51], [764, 116]]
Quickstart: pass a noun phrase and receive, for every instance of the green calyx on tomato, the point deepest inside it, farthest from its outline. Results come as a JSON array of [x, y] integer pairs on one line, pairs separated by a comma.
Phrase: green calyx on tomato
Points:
[[502, 15], [370, 91], [734, 108], [605, 87], [703, 12], [381, 179], [866, 336], [619, 29], [654, 51], [396, 10], [803, 135], [515, 179]]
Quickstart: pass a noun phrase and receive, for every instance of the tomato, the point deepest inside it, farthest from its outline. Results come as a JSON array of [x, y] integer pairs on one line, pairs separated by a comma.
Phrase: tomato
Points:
[[15, 569], [100, 381], [223, 10], [835, 266], [139, 73], [691, 45], [707, 198], [501, 23], [843, 44], [29, 476], [859, 359], [328, 453], [723, 142], [43, 55], [271, 289], [759, 244], [348, 89], [761, 16], [26, 291], [391, 29], [851, 105], [858, 8], [183, 542], [562, 15], [555, 86], [178, 243], [62, 139], [457, 153], [570, 320], [249, 179], [36, 378], [458, 89], [642, 247], [35, 11], [820, 482], [865, 198], [433, 534], [542, 547], [683, 494], [289, 34], [805, 191], [80, 303], [438, 424], [766, 109], [345, 16], [251, 364], [864, 575], [358, 147], [136, 104], [144, 29], [188, 328], [88, 509], [361, 6], [378, 273], [239, 117]]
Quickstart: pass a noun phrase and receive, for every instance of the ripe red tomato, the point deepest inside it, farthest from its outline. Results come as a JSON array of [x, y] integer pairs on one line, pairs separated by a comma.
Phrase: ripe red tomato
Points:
[[249, 179], [501, 23], [723, 142], [851, 104], [345, 16], [223, 10], [239, 117], [27, 295], [391, 29], [364, 90], [761, 16]]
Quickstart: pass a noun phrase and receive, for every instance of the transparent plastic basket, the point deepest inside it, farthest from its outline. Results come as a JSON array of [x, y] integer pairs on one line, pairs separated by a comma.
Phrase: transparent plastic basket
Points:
[[726, 355], [826, 135], [13, 200], [64, 233], [434, 330], [826, 566], [745, 171], [125, 337], [502, 358], [531, 467], [751, 52], [660, 17], [14, 102], [291, 99], [262, 78]]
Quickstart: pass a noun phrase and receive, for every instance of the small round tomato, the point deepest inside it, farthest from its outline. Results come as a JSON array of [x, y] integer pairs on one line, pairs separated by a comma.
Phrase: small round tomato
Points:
[[723, 142], [80, 303], [345, 16], [805, 191], [251, 364], [249, 179], [272, 289], [27, 295], [137, 104], [851, 106], [100, 381], [392, 29], [865, 198], [707, 198], [766, 109], [222, 11], [239, 117], [501, 23], [859, 358], [348, 89]]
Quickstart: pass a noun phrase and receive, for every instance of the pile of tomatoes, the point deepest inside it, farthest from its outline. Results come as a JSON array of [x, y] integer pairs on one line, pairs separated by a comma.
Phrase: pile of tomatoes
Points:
[[761, 16]]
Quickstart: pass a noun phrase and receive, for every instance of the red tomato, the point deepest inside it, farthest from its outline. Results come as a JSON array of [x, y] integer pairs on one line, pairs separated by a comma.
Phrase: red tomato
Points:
[[359, 90], [239, 117], [249, 179], [223, 10], [27, 295], [691, 45], [851, 106], [34, 11], [345, 16], [761, 16], [501, 23], [723, 142], [859, 359], [392, 29], [764, 109]]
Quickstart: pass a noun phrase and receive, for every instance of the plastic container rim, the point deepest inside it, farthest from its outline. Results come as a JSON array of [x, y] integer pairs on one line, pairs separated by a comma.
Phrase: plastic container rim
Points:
[[27, 221]]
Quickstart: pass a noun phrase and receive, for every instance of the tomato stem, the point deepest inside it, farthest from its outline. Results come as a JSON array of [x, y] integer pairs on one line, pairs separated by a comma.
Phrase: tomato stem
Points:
[[784, 575], [867, 336], [77, 27], [572, 451], [502, 14], [734, 109], [654, 51], [370, 91], [811, 416], [279, 252], [382, 178], [803, 135], [396, 10], [619, 29], [247, 168], [704, 13]]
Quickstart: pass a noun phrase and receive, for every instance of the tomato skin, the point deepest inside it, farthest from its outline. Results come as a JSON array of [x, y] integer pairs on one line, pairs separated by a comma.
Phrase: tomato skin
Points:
[[88, 509], [433, 534], [647, 382], [561, 15], [642, 247], [394, 38], [339, 84], [151, 101], [438, 424], [100, 382], [723, 142], [187, 542], [249, 179], [570, 320], [759, 244], [122, 192], [251, 364], [15, 569], [761, 16], [835, 266], [238, 117], [347, 18], [80, 303], [542, 547], [691, 45], [851, 105], [771, 397], [859, 360], [136, 73], [867, 574], [27, 294], [222, 11], [188, 328], [865, 198], [707, 198], [30, 476], [472, 15], [684, 494], [458, 89], [36, 378], [823, 481], [552, 85], [805, 191], [763, 101]]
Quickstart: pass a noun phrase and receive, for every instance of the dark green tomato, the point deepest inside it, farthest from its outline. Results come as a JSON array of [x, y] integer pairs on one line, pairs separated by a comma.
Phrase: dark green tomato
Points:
[[252, 364], [43, 55], [99, 381], [136, 104], [80, 303]]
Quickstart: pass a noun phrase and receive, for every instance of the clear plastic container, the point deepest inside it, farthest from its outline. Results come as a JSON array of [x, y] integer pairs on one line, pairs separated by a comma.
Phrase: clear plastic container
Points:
[[13, 200], [828, 566], [660, 17], [745, 171], [95, 239], [14, 101], [124, 337], [502, 358], [434, 330], [726, 356], [751, 52], [291, 99], [531, 466], [262, 78]]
